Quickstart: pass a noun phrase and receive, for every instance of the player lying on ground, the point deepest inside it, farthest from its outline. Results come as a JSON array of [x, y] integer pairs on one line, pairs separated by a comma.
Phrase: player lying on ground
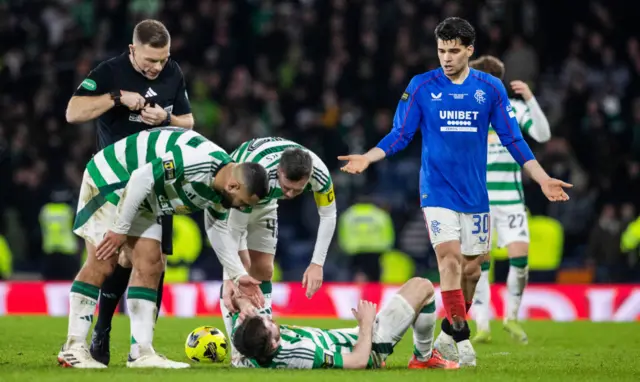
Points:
[[265, 344], [292, 170], [454, 106], [125, 188], [508, 214]]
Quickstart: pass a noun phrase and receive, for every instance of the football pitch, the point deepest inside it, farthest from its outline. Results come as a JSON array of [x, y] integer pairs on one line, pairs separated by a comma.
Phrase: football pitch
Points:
[[576, 351]]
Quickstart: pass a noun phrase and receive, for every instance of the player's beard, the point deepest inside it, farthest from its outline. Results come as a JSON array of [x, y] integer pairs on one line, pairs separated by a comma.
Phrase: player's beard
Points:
[[227, 199]]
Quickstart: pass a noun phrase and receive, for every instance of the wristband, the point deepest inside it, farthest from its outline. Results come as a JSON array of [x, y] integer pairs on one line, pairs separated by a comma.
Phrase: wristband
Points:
[[167, 121], [115, 96]]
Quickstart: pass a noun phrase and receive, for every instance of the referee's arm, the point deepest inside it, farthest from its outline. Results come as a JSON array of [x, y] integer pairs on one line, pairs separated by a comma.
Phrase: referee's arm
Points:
[[86, 108], [92, 98]]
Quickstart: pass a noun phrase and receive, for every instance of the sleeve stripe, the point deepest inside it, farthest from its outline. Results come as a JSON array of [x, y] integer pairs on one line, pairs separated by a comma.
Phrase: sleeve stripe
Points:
[[504, 113], [321, 174], [406, 114], [527, 125]]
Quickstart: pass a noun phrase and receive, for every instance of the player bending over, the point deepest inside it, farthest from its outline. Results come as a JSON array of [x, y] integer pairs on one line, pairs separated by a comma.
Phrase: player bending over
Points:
[[292, 169], [508, 214], [126, 187], [265, 344], [454, 106]]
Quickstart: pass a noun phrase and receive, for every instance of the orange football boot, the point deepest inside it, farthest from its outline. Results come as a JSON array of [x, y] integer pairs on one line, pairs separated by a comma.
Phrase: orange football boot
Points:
[[435, 362]]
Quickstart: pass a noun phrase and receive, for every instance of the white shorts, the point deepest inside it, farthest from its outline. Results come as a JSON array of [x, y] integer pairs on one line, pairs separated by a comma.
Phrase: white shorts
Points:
[[102, 218], [473, 231], [261, 234], [510, 224]]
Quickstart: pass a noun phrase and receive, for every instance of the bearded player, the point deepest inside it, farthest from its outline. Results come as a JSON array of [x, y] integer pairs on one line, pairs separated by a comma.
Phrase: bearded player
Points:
[[292, 169], [508, 214], [265, 344], [125, 189], [454, 106]]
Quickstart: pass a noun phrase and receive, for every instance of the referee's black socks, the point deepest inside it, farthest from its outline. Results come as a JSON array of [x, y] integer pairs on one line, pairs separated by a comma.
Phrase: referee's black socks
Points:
[[110, 294], [159, 298]]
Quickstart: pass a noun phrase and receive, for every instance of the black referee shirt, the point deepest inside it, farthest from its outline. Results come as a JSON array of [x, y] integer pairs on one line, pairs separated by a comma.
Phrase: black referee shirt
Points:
[[168, 90]]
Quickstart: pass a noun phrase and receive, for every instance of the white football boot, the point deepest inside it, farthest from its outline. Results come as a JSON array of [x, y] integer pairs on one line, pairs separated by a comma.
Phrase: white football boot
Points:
[[150, 359], [76, 355], [446, 346], [467, 354]]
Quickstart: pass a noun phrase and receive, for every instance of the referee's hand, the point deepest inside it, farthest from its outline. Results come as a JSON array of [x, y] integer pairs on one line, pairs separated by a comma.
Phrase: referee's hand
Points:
[[153, 115], [133, 101]]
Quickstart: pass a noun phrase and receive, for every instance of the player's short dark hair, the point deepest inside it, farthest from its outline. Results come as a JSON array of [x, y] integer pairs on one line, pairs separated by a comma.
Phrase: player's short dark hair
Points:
[[489, 64], [252, 340], [453, 28], [152, 33], [296, 164], [255, 178]]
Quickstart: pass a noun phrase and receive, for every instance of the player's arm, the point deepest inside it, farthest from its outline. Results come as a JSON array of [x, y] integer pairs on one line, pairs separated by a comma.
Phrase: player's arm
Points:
[[533, 122], [324, 196], [505, 124], [405, 124], [222, 242], [237, 224], [359, 357], [226, 249], [182, 116]]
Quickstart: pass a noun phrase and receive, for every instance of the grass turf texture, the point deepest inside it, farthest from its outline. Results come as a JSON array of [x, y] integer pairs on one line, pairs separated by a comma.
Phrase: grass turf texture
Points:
[[578, 351]]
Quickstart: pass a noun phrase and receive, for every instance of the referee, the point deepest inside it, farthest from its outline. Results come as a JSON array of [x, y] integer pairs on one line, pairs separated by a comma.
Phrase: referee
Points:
[[134, 91]]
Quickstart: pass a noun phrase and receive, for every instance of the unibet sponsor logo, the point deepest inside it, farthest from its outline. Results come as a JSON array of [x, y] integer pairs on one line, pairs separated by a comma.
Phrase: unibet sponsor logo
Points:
[[89, 84], [459, 120]]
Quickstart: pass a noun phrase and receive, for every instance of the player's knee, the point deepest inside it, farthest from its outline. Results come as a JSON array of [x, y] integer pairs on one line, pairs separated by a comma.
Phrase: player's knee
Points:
[[147, 257], [421, 283], [123, 260], [97, 271], [424, 286], [261, 271], [518, 249], [261, 267]]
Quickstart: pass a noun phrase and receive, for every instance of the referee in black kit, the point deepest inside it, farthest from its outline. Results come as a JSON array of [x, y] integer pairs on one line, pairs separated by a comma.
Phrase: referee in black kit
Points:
[[129, 93]]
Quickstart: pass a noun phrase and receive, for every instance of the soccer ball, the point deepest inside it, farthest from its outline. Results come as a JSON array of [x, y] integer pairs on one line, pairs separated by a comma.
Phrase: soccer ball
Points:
[[206, 344]]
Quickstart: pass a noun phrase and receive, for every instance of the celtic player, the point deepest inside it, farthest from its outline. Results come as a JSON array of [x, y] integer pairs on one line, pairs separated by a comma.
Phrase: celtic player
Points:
[[126, 187], [265, 344], [508, 215], [292, 170]]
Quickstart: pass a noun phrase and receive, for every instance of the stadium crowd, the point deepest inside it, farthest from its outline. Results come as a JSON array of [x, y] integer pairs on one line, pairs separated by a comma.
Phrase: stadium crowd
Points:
[[329, 74]]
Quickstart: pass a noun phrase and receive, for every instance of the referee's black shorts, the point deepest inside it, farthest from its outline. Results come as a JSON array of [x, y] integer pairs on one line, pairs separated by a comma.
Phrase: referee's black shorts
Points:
[[167, 234]]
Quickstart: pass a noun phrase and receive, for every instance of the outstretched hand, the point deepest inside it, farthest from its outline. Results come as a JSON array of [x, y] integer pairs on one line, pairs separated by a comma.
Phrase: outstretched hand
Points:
[[553, 189], [356, 163]]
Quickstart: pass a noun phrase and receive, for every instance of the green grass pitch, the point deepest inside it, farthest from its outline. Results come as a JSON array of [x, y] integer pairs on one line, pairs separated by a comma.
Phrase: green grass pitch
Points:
[[577, 351]]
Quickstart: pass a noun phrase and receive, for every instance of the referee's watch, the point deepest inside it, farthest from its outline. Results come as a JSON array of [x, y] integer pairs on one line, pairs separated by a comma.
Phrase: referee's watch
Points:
[[115, 96], [167, 121]]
